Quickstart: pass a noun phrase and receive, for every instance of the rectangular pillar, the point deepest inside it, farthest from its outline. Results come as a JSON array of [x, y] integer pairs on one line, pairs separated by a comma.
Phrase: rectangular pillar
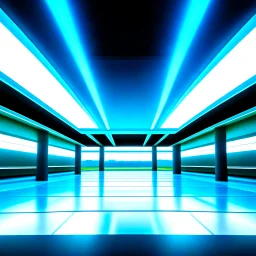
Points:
[[78, 157], [221, 170], [101, 162], [42, 156], [154, 158], [176, 159]]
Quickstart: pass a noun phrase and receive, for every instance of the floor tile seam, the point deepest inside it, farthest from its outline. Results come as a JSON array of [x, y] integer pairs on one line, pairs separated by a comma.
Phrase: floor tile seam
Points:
[[64, 222], [143, 182], [127, 211], [201, 223], [141, 196], [171, 187], [124, 186], [160, 187]]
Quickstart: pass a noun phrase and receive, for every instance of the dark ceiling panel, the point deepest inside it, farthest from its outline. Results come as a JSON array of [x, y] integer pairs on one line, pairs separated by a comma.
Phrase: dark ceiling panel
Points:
[[154, 138], [239, 103], [102, 139], [19, 103], [129, 139], [166, 141]]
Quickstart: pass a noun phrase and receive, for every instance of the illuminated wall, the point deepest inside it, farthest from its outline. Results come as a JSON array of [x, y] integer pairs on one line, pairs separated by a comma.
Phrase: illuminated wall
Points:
[[18, 157], [241, 157]]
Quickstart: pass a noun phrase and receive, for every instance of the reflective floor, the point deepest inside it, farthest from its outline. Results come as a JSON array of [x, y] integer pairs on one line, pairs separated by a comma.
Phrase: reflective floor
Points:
[[128, 202]]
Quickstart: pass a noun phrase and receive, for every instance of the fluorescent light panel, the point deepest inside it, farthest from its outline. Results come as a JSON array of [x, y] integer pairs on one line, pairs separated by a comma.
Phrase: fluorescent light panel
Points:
[[237, 67], [188, 30], [21, 145], [19, 64], [63, 17]]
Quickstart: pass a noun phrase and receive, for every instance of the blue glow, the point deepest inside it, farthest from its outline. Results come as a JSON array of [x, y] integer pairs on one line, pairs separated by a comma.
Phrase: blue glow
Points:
[[19, 59], [190, 25], [63, 18], [241, 145], [143, 204], [146, 140], [21, 145], [230, 72]]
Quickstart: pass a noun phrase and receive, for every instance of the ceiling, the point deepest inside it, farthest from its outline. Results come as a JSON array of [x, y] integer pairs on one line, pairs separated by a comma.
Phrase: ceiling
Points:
[[129, 46]]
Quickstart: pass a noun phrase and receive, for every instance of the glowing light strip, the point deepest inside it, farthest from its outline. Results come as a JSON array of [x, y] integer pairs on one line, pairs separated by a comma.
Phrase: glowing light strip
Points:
[[146, 140], [190, 25], [236, 68], [63, 17], [60, 152], [128, 131], [161, 139], [21, 145], [241, 145], [9, 113], [110, 137], [207, 150], [127, 149], [229, 167], [18, 64], [12, 143], [92, 138], [33, 167], [250, 140], [230, 120]]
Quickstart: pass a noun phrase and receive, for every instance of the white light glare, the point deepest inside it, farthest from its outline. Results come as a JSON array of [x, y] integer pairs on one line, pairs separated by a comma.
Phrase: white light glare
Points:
[[241, 145], [16, 144], [21, 145], [91, 149], [19, 64], [129, 149], [118, 149], [61, 152], [207, 150], [160, 149], [126, 156], [235, 68]]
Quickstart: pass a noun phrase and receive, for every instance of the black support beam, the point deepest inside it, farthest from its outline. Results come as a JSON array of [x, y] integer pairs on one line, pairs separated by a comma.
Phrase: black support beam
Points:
[[176, 159], [78, 157], [221, 170], [42, 156]]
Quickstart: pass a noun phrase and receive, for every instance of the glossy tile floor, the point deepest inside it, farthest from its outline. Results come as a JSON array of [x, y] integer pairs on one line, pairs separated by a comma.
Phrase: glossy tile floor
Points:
[[128, 202]]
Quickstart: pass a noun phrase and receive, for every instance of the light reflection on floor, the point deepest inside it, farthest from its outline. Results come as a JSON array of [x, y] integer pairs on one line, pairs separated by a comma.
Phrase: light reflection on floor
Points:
[[128, 202]]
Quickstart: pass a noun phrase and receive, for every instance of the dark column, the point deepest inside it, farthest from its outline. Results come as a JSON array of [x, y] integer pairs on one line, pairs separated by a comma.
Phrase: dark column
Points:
[[101, 163], [78, 159], [176, 159], [154, 159], [221, 170], [42, 156]]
